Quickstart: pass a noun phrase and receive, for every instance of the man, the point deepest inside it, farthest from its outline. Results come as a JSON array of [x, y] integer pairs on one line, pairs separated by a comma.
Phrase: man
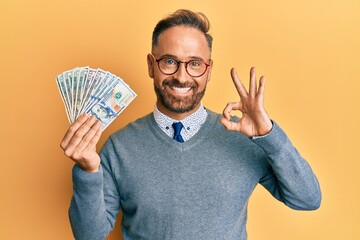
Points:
[[178, 173]]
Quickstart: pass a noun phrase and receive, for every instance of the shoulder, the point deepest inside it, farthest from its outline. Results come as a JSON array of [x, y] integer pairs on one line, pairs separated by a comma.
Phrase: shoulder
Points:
[[141, 125], [129, 134]]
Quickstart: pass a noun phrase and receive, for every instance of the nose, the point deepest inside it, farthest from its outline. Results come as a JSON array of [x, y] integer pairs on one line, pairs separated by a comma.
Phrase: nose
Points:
[[181, 74]]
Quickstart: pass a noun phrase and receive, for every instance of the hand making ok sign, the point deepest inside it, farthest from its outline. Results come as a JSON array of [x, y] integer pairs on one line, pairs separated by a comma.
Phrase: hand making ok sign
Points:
[[254, 121]]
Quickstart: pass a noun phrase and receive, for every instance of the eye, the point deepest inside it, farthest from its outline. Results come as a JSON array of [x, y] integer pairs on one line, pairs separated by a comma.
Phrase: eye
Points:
[[195, 63], [169, 61]]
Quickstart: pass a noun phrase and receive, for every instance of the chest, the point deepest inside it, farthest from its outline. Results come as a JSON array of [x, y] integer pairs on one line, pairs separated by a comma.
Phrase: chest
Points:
[[192, 182]]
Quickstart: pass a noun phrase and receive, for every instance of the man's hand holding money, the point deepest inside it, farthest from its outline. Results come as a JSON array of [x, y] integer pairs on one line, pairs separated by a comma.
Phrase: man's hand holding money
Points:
[[93, 98], [79, 142]]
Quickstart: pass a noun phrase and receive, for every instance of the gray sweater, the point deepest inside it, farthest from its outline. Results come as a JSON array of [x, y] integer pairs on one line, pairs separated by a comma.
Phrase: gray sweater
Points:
[[193, 190]]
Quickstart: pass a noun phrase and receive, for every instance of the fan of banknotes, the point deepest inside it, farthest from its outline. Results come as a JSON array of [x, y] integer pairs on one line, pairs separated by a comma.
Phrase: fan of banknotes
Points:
[[94, 91]]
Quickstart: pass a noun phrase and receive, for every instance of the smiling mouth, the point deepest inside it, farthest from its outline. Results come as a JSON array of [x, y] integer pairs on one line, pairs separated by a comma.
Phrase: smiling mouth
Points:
[[180, 89]]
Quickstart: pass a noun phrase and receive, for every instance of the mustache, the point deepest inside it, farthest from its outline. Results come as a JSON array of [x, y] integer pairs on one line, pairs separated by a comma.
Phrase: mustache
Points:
[[176, 83]]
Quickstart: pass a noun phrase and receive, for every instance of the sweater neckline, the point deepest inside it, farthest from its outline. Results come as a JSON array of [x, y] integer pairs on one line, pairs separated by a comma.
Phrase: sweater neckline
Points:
[[198, 137]]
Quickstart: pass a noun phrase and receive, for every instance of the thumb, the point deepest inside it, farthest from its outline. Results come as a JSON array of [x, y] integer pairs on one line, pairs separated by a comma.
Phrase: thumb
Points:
[[229, 125]]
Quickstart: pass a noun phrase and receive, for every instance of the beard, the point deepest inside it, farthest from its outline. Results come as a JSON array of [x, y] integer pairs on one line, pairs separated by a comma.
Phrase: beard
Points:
[[179, 104]]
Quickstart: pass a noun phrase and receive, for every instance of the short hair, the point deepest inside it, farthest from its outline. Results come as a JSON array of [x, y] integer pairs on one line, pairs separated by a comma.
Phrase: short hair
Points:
[[183, 17]]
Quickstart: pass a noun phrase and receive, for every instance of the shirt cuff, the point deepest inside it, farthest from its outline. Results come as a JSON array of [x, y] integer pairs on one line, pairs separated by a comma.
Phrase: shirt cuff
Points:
[[256, 137]]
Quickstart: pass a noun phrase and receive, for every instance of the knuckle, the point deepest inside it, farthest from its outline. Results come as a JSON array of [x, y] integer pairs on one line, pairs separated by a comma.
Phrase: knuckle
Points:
[[76, 156], [228, 106], [98, 134], [68, 153], [78, 134], [72, 129], [87, 138]]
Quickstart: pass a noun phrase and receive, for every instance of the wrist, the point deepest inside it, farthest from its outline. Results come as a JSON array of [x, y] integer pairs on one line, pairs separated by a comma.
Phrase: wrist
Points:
[[265, 132], [90, 169], [265, 128]]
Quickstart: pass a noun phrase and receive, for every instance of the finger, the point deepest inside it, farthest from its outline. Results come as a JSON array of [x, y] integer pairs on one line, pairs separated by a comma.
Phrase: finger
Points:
[[230, 107], [238, 84], [79, 135], [261, 91], [91, 138], [72, 129], [252, 83], [96, 138], [230, 125]]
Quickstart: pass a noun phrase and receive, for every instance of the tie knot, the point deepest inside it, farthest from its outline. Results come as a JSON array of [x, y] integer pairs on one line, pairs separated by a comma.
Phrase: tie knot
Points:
[[177, 129]]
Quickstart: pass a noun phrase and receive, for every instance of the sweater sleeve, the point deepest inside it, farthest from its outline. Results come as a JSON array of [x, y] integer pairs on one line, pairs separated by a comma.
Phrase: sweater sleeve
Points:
[[290, 179], [95, 203]]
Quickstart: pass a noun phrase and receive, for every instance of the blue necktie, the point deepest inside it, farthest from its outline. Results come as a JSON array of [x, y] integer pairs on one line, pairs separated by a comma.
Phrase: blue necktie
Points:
[[177, 128]]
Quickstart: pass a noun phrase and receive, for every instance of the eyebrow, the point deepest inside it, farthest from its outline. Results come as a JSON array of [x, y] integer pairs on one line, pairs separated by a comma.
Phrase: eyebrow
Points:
[[175, 57]]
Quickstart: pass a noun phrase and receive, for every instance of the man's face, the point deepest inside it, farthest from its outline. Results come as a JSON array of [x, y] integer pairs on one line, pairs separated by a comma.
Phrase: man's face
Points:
[[180, 92]]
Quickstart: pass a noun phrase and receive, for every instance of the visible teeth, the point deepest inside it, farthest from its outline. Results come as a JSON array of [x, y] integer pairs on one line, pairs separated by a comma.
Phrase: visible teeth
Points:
[[181, 90]]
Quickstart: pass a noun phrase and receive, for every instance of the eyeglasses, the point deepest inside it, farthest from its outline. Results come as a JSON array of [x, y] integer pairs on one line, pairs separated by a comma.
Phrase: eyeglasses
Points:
[[169, 66]]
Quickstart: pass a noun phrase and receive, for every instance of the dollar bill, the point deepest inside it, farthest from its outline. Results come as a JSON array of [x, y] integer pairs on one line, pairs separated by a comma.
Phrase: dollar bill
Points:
[[94, 91], [68, 84], [62, 89], [95, 85], [113, 103], [87, 87], [74, 89], [80, 89]]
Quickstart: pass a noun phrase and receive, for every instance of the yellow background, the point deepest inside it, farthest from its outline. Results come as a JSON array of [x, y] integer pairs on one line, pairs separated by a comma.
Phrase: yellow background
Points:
[[308, 50]]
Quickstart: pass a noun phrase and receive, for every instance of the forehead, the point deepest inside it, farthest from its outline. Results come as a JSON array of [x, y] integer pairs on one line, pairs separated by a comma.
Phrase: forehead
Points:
[[183, 42]]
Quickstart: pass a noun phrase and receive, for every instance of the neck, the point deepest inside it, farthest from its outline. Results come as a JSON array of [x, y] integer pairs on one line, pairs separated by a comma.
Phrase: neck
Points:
[[175, 115]]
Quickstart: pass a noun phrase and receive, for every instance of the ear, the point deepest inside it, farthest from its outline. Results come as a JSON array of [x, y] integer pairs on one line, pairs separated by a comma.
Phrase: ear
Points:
[[150, 62], [209, 71]]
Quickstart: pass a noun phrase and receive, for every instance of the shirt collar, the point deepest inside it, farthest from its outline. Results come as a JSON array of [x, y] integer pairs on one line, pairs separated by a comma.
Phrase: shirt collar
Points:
[[192, 123]]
